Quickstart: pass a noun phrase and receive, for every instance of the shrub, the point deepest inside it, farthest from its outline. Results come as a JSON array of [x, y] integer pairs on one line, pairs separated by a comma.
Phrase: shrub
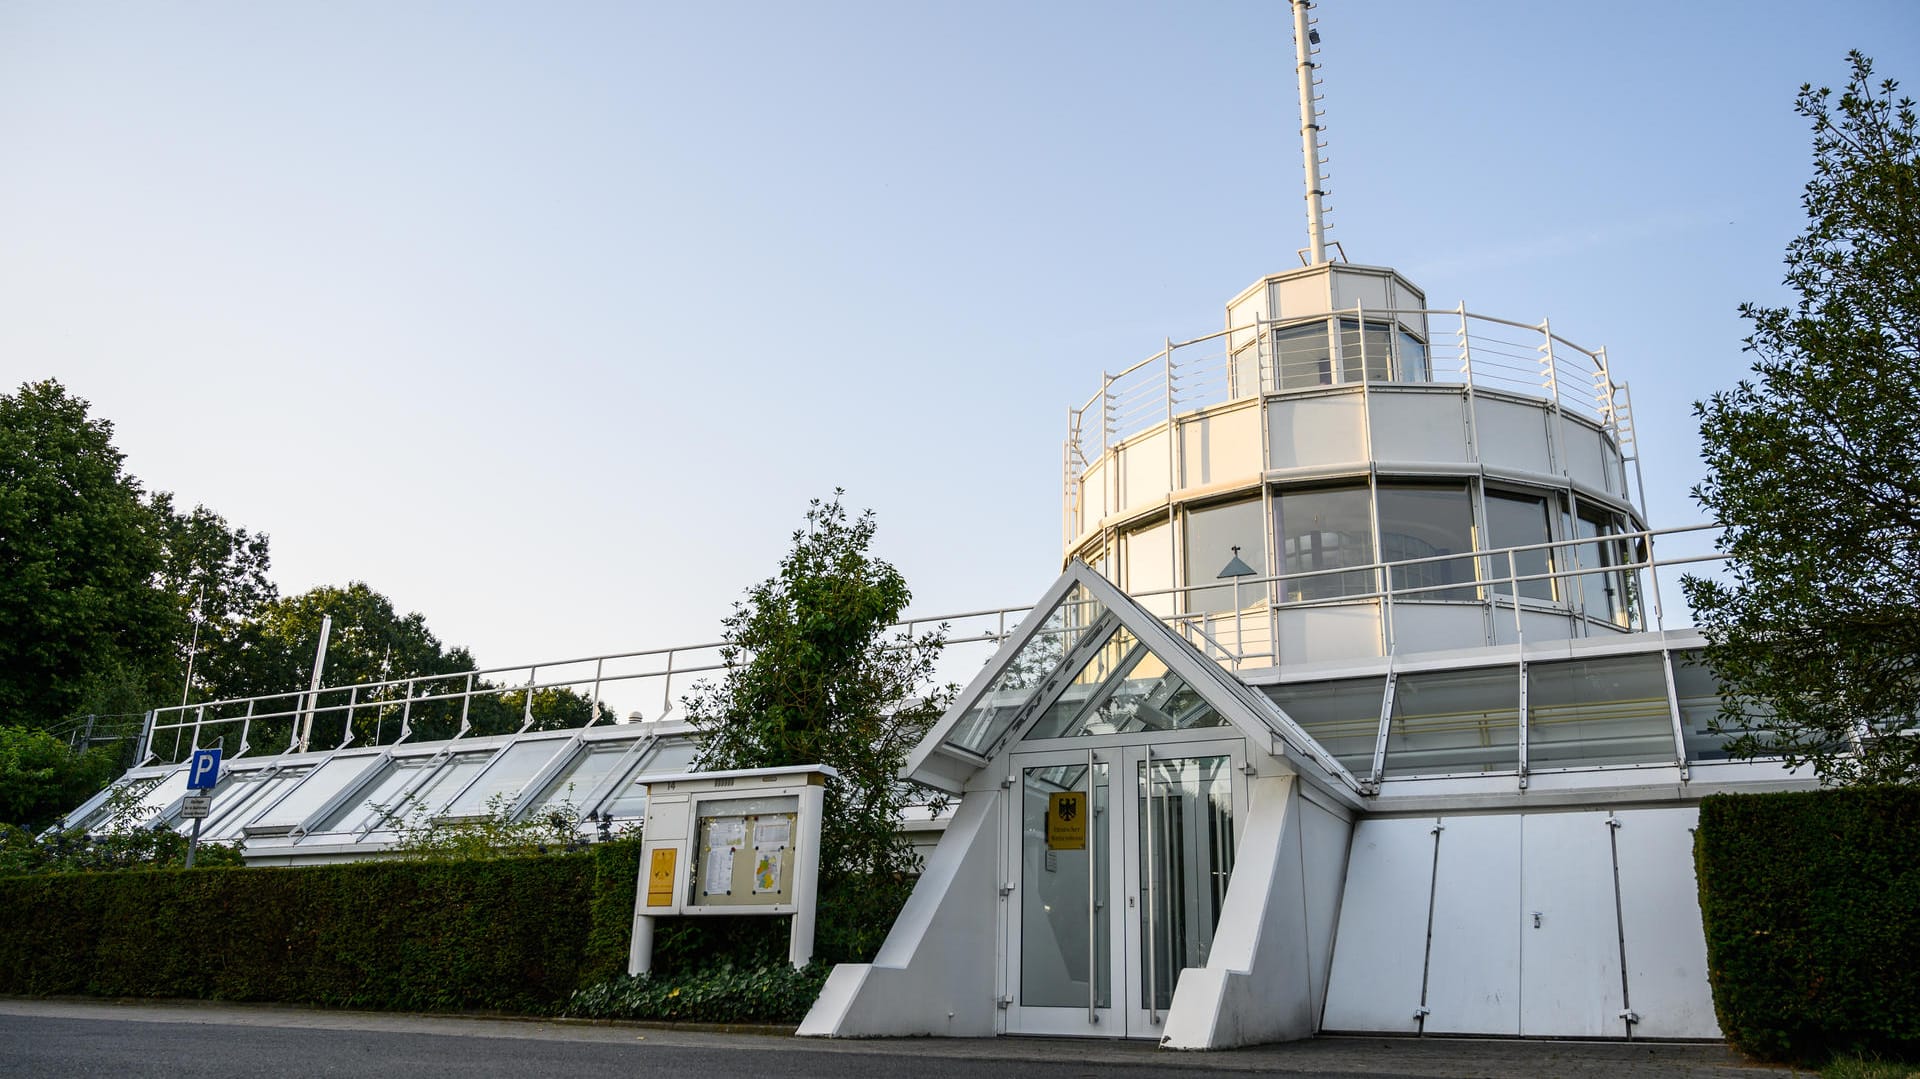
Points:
[[776, 993], [1811, 902], [513, 934]]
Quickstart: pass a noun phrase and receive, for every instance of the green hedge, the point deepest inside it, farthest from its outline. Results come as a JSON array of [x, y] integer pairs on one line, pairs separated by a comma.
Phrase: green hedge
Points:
[[1811, 902], [514, 934]]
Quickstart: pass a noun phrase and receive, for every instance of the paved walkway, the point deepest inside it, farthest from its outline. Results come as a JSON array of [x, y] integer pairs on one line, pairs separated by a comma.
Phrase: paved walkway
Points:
[[44, 1037]]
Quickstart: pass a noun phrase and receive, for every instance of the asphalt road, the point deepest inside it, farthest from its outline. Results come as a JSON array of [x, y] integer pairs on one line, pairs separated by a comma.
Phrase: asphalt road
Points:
[[190, 1040]]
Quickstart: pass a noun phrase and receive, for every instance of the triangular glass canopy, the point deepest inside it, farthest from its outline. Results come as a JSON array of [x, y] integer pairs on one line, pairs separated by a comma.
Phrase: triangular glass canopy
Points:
[[1090, 662]]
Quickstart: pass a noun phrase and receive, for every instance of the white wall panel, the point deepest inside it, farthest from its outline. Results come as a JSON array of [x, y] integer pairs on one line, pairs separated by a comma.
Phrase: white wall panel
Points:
[[1317, 431], [1660, 903], [1301, 296], [1423, 427], [1323, 854], [1473, 980], [1427, 627], [1143, 471], [1093, 495], [1220, 447], [1350, 288], [1570, 960], [1313, 634], [1581, 456], [1381, 943], [1511, 435]]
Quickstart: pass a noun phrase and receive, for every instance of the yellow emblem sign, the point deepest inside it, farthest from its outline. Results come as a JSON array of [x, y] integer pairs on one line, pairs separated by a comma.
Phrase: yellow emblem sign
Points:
[[1067, 820], [660, 877]]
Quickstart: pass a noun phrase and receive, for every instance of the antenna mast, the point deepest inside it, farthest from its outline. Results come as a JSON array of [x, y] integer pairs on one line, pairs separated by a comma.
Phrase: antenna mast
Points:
[[1304, 40]]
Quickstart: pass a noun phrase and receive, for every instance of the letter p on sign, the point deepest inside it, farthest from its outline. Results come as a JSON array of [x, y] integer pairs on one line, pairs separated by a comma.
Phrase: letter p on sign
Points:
[[204, 770]]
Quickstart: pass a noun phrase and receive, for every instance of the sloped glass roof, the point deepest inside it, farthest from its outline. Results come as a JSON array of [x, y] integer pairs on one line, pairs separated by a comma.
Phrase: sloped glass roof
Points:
[[1122, 688], [992, 713], [352, 802]]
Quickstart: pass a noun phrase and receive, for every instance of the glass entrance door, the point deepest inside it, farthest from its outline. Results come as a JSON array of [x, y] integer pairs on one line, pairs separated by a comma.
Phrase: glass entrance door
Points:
[[1142, 831]]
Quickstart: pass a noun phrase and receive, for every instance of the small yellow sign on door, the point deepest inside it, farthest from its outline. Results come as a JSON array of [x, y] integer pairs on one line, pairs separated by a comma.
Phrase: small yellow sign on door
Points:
[[1067, 820], [660, 877]]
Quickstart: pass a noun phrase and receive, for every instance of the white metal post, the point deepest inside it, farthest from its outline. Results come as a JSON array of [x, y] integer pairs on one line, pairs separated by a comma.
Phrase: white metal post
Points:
[[806, 873], [1309, 135], [313, 687]]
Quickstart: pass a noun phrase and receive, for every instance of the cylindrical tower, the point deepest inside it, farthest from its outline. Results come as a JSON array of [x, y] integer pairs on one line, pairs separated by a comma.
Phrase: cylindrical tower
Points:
[[1397, 478]]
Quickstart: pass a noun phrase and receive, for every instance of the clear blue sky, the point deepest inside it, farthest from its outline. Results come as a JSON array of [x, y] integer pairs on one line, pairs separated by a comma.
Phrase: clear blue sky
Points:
[[547, 320]]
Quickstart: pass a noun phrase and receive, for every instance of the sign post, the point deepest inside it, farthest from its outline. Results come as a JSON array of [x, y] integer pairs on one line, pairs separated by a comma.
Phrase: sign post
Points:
[[203, 772]]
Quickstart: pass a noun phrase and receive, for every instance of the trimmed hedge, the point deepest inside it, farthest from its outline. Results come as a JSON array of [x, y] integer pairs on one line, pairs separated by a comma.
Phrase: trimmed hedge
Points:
[[1811, 902], [511, 934]]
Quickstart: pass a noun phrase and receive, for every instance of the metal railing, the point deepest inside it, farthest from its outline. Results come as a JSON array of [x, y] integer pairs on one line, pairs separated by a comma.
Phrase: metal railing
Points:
[[393, 711], [1459, 348]]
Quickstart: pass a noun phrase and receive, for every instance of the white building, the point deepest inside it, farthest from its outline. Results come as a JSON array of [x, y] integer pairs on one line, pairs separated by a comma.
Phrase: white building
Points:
[[1357, 665]]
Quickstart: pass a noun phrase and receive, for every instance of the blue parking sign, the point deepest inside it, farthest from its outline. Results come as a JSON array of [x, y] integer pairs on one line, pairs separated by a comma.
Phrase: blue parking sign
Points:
[[204, 771]]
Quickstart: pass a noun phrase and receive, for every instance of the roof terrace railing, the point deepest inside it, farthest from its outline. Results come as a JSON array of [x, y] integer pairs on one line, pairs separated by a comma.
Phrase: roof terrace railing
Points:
[[1460, 348], [390, 712]]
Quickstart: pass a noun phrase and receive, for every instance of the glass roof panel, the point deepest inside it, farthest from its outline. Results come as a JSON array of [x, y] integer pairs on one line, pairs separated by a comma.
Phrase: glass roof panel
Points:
[[502, 782], [986, 721], [590, 768], [665, 759], [1124, 688], [329, 779], [378, 798], [249, 798], [454, 773]]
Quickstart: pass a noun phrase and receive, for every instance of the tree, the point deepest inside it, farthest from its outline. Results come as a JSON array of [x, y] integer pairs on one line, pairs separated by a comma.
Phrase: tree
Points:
[[79, 614], [812, 676], [41, 777], [1814, 634], [216, 576]]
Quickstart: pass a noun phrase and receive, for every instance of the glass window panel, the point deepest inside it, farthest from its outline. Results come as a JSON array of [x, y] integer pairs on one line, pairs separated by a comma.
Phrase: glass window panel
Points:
[[1148, 564], [1062, 888], [1124, 688], [1325, 530], [157, 798], [322, 783], [1212, 535], [1425, 523], [262, 789], [1455, 721], [504, 778], [1303, 357], [453, 774], [122, 809], [1515, 520], [1245, 372], [987, 719], [1598, 711], [1344, 717], [1608, 594], [1187, 807], [663, 760], [1413, 359], [379, 798], [584, 774], [1375, 345], [1698, 694]]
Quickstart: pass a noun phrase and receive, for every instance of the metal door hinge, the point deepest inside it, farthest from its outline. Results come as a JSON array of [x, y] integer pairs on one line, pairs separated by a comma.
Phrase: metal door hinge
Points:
[[1003, 1003], [1630, 1016], [1006, 889], [1421, 1013]]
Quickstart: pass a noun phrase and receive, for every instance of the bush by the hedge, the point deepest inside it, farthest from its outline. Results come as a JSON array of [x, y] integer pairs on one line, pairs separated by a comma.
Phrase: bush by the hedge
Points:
[[775, 993], [1811, 902], [517, 934]]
